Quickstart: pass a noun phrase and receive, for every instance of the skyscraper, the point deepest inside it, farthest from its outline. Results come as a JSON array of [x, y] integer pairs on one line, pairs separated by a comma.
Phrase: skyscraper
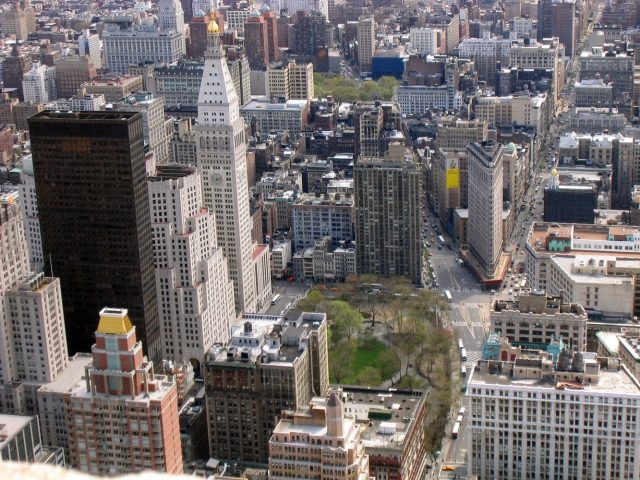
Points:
[[310, 32], [485, 204], [171, 18], [122, 417], [94, 217], [221, 157], [366, 42], [33, 346], [39, 84], [256, 41], [389, 193], [13, 69], [271, 21], [195, 294], [89, 44]]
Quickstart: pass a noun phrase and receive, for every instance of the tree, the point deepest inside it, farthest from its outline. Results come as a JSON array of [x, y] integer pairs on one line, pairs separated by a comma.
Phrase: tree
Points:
[[389, 363], [346, 321], [369, 376], [341, 360], [411, 382], [313, 302]]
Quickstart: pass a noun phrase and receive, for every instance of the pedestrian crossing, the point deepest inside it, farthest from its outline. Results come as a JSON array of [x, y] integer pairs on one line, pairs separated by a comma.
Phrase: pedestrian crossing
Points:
[[472, 358]]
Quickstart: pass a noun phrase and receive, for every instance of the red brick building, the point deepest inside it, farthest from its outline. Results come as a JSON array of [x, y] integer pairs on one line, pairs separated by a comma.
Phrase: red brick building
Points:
[[123, 418]]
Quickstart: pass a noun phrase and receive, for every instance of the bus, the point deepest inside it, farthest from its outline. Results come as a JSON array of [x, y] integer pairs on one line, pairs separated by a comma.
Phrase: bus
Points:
[[463, 354], [275, 298], [463, 370], [460, 344], [523, 283], [456, 430], [447, 294]]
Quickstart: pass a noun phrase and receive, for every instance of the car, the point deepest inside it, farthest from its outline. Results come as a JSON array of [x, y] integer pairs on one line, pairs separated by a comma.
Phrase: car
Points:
[[448, 468]]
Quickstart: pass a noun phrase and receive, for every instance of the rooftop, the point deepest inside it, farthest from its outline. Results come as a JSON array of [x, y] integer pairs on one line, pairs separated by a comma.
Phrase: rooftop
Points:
[[631, 345], [289, 105], [114, 321], [10, 426], [337, 199], [573, 239], [97, 116], [386, 415], [267, 339], [537, 303], [611, 378], [73, 374]]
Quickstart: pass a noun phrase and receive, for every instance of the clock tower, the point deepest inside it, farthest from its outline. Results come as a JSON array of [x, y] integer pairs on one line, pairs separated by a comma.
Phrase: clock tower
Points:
[[221, 158]]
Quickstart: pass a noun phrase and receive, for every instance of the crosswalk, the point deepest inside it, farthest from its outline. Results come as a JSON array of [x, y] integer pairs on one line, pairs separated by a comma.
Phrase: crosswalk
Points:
[[472, 358]]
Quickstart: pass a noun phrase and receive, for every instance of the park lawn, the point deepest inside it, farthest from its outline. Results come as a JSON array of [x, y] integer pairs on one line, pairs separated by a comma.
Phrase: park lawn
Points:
[[367, 357]]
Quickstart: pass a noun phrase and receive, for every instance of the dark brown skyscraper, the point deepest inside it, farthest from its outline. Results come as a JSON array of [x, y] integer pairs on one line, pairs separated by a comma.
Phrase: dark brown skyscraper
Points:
[[94, 217], [13, 68], [256, 42], [271, 22]]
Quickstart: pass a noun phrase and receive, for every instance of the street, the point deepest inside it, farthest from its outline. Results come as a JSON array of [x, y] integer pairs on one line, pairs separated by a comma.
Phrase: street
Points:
[[290, 293]]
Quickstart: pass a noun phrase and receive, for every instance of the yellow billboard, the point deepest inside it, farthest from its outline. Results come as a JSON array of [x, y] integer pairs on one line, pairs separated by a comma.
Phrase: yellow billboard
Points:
[[453, 174]]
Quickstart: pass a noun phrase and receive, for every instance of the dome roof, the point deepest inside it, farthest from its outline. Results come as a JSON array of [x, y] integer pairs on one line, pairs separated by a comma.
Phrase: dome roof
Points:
[[511, 147], [636, 199], [554, 173], [213, 25]]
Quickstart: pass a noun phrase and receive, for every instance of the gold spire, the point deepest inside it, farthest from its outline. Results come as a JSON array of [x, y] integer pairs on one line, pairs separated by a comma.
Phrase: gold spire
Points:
[[213, 25], [114, 321]]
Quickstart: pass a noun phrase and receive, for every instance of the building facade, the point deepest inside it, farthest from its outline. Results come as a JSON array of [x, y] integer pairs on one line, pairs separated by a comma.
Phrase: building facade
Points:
[[268, 366], [535, 318], [328, 445], [195, 294], [93, 164], [388, 196], [485, 204], [580, 408], [121, 383], [314, 217], [366, 42], [222, 164]]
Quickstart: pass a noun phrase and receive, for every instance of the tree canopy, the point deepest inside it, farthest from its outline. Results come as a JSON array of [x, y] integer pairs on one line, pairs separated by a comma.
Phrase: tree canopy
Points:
[[345, 89]]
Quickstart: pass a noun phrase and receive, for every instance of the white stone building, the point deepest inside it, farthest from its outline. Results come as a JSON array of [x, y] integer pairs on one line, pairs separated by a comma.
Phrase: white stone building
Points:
[[423, 40], [221, 157], [89, 44], [485, 204], [39, 84], [535, 418], [419, 99], [534, 317], [142, 43], [29, 210], [195, 294]]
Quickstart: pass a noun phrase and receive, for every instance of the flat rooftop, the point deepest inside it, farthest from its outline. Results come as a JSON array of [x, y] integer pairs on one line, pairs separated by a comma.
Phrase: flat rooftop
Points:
[[631, 345], [10, 426], [386, 415], [99, 116], [609, 381], [555, 238], [69, 378]]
